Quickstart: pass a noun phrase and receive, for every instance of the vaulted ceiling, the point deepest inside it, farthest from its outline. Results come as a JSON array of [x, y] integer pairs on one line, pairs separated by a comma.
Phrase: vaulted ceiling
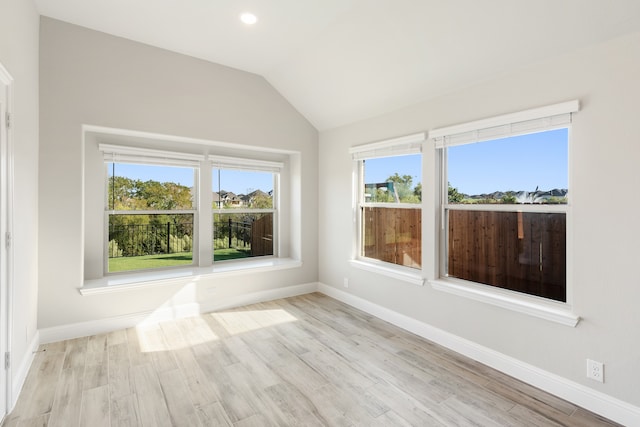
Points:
[[340, 61]]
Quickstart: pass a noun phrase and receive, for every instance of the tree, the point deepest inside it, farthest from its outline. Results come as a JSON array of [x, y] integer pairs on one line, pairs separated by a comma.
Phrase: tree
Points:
[[418, 190], [130, 233], [128, 194], [261, 201], [509, 198], [454, 195], [402, 186]]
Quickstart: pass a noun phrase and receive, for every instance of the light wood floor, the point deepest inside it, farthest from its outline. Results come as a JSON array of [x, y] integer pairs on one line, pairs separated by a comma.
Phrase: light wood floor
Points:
[[306, 361]]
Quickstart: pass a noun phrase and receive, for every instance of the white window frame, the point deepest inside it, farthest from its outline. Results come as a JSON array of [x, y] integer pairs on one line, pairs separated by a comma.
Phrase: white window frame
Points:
[[253, 165], [525, 122], [151, 145], [119, 154], [405, 145]]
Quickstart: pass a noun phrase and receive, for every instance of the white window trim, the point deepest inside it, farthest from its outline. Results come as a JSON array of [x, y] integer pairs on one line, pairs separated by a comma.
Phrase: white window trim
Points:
[[520, 123], [398, 272], [410, 144], [521, 303], [128, 154], [254, 165], [401, 146], [177, 276], [289, 258]]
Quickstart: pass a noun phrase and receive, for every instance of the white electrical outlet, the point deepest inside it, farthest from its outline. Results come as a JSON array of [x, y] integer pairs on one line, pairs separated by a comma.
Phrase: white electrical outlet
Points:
[[346, 282], [595, 370]]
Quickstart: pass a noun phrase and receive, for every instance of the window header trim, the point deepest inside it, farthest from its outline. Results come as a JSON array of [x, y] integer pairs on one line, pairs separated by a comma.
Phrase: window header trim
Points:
[[128, 154], [224, 162], [519, 123], [404, 145]]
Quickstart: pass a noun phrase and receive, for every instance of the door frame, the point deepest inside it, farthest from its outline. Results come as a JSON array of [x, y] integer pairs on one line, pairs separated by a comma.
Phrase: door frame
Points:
[[6, 246]]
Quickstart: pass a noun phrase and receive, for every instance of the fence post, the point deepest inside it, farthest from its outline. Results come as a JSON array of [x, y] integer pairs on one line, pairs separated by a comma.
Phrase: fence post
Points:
[[168, 237], [230, 225]]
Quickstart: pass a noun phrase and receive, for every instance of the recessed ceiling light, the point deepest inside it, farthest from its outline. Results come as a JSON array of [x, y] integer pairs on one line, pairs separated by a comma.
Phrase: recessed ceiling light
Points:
[[248, 18]]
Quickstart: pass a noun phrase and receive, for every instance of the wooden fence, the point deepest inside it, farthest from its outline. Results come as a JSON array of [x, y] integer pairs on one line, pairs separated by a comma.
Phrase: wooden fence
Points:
[[524, 252], [262, 236], [393, 235]]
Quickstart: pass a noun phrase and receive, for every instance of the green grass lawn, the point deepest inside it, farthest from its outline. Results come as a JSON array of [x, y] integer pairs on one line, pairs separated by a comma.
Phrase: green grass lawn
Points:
[[149, 261], [231, 253], [170, 260]]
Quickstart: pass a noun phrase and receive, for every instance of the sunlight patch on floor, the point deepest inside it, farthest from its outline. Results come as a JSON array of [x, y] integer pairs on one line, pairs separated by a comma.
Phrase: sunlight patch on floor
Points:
[[195, 331], [238, 322]]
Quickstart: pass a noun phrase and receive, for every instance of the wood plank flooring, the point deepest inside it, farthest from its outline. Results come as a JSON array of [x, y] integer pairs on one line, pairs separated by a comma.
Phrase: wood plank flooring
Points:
[[303, 361]]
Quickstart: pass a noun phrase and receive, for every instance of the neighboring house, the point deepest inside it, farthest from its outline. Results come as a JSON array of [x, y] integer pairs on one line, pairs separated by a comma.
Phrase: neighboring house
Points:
[[230, 199]]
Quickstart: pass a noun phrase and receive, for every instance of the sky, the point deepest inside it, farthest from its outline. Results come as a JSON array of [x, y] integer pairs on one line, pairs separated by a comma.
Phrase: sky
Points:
[[377, 170], [519, 163], [242, 182]]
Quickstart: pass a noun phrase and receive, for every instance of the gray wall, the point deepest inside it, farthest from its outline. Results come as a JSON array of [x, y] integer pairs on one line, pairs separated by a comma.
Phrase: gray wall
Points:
[[605, 155], [19, 24], [88, 77]]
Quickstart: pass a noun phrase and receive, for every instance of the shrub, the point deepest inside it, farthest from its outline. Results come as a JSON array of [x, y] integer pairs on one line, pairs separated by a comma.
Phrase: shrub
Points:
[[187, 243]]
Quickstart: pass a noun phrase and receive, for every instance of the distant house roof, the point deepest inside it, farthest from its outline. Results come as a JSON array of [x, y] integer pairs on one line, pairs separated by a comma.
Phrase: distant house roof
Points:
[[247, 198], [232, 198]]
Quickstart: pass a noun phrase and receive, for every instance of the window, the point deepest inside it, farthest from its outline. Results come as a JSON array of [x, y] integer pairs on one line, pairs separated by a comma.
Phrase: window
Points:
[[152, 216], [162, 208], [150, 212], [389, 196], [244, 208], [504, 198]]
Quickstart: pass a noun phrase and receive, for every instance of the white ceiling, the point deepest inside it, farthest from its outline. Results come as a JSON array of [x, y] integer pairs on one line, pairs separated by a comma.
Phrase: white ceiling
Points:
[[340, 61]]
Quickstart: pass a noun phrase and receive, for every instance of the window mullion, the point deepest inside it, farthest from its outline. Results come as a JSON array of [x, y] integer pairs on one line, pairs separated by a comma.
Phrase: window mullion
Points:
[[205, 217]]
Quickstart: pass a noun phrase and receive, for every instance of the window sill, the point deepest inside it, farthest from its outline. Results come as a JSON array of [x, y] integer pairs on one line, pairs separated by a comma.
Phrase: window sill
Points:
[[533, 306], [398, 273], [138, 280]]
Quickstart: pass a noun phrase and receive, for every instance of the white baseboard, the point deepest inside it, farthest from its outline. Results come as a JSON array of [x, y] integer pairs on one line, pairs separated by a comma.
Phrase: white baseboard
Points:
[[263, 296], [595, 401], [20, 375], [93, 327]]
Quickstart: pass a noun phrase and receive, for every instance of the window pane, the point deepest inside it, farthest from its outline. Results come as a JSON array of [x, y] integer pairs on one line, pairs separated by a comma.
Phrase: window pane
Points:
[[138, 242], [242, 189], [393, 235], [520, 251], [242, 235], [393, 179], [149, 187], [523, 169]]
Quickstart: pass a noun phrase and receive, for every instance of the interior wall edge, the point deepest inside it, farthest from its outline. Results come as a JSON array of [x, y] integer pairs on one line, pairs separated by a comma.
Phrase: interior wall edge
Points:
[[20, 374]]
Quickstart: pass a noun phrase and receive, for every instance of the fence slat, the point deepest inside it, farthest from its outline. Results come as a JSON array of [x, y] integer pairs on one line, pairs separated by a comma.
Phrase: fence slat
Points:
[[393, 235], [520, 251], [262, 236]]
